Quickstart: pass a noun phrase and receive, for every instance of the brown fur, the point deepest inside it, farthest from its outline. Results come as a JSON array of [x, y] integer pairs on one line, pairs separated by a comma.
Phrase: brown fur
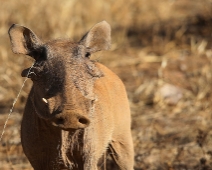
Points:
[[77, 109]]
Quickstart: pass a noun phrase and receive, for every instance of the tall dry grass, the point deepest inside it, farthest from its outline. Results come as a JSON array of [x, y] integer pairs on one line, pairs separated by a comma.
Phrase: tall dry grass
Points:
[[54, 19]]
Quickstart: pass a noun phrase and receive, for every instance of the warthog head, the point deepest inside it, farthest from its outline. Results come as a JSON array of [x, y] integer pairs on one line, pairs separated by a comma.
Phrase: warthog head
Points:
[[63, 75]]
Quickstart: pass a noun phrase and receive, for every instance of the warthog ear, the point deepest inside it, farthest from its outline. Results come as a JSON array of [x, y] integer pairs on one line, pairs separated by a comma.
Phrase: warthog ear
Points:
[[23, 40], [98, 38]]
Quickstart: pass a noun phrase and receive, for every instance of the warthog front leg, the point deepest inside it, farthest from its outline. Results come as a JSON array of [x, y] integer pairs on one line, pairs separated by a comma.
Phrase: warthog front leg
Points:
[[122, 154]]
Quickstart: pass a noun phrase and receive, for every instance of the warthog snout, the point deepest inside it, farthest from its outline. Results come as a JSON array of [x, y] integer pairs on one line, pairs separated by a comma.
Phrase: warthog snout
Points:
[[70, 121]]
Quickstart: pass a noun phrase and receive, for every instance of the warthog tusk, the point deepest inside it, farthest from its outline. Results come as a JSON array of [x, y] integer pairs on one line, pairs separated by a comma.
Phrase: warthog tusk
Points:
[[44, 100]]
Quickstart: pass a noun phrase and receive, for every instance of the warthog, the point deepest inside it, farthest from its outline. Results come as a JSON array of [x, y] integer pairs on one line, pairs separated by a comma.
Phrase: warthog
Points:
[[77, 111]]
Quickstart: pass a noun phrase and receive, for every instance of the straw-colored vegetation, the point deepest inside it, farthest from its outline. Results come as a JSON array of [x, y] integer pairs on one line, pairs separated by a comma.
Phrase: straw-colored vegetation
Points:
[[162, 52]]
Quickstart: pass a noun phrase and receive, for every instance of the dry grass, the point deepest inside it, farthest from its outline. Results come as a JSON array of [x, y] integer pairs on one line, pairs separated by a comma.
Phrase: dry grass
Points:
[[156, 45]]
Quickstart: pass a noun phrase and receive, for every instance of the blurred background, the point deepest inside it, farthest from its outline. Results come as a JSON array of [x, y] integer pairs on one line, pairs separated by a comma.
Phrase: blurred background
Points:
[[162, 50]]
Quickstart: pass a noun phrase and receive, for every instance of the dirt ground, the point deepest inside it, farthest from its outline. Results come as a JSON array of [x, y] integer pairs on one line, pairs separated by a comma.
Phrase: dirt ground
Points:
[[163, 53]]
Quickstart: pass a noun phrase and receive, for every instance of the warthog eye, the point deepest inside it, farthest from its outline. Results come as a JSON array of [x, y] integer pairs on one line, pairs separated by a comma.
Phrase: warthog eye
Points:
[[87, 55]]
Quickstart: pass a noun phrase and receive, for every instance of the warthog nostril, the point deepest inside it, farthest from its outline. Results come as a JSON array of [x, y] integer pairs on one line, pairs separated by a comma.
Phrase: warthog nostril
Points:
[[59, 121], [71, 121], [84, 121]]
